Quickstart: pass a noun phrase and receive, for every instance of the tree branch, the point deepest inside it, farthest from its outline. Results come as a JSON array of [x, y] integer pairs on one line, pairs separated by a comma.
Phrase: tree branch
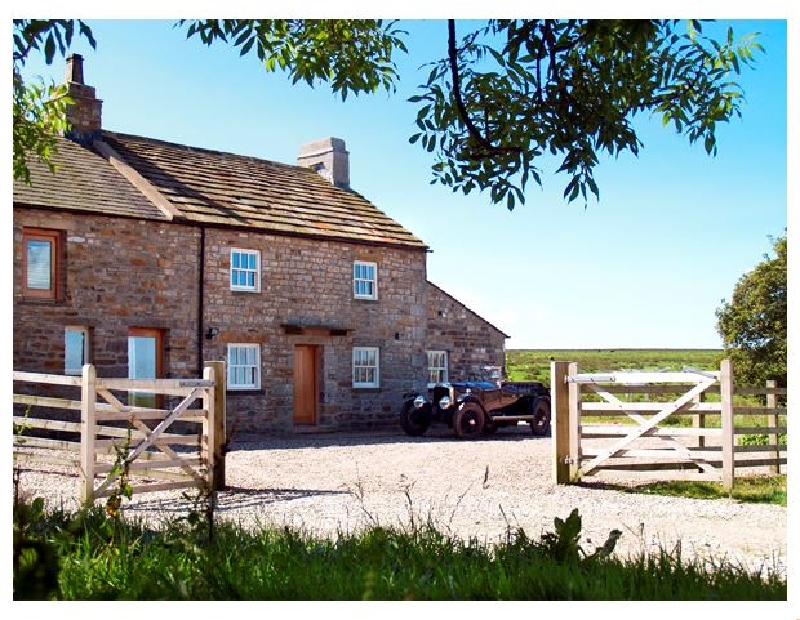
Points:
[[462, 110]]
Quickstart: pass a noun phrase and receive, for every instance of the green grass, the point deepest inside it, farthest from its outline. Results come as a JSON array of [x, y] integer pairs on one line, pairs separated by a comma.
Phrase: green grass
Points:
[[751, 490], [97, 557], [534, 364]]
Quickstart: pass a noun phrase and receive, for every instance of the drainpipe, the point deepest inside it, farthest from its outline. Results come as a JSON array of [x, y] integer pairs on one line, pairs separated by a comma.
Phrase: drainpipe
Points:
[[201, 276]]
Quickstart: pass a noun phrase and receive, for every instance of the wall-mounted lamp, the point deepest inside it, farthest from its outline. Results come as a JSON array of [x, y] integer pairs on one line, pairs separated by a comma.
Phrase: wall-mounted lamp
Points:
[[211, 332]]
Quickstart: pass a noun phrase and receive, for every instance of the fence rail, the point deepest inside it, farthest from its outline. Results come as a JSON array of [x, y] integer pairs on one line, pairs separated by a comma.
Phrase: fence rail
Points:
[[140, 441], [647, 438]]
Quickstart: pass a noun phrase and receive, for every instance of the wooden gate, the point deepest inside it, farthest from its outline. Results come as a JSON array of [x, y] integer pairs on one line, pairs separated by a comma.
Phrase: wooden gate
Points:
[[116, 436], [653, 441]]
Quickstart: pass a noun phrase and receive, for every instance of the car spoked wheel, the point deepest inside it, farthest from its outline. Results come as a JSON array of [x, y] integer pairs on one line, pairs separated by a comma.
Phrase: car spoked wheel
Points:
[[469, 421], [540, 425]]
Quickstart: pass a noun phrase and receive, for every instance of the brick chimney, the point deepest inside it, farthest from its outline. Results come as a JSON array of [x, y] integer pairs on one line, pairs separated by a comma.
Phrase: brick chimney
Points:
[[330, 158], [85, 114]]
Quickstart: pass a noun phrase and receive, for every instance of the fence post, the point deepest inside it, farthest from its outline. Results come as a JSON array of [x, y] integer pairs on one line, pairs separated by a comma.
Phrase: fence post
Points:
[[574, 390], [772, 420], [220, 425], [207, 446], [726, 402], [699, 420], [88, 398], [559, 396]]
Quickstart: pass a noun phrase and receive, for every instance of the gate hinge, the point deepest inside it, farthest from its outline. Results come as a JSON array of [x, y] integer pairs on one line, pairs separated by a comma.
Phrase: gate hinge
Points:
[[568, 460]]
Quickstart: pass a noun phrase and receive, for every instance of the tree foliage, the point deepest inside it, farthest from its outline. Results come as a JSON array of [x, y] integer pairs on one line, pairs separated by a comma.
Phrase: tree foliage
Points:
[[352, 55], [515, 90], [753, 323], [507, 94], [40, 109]]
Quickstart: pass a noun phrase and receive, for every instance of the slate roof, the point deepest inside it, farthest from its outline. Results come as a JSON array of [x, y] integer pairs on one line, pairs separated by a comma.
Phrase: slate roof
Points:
[[212, 188], [84, 181], [225, 189]]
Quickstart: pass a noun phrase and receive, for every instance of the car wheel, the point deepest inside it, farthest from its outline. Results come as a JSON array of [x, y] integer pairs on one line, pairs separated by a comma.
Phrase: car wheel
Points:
[[414, 421], [468, 421], [540, 425]]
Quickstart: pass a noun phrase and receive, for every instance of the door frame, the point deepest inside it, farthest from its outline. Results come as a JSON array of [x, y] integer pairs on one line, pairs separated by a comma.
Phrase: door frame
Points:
[[317, 370]]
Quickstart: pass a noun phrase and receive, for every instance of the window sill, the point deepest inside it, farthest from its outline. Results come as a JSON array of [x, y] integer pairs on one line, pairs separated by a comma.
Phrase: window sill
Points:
[[368, 300], [366, 390], [245, 391], [43, 301]]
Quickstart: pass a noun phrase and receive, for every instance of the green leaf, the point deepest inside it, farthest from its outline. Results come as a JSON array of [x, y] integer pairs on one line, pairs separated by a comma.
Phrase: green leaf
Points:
[[49, 49], [710, 144]]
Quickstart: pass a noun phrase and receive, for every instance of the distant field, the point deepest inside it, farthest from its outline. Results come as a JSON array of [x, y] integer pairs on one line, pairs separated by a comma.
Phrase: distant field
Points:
[[534, 364]]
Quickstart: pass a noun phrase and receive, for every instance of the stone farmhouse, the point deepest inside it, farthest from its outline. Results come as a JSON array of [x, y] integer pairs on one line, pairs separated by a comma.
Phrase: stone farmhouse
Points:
[[147, 258]]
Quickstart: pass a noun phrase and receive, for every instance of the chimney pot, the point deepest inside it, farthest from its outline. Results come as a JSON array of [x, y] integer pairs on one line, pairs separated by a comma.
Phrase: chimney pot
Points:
[[75, 68]]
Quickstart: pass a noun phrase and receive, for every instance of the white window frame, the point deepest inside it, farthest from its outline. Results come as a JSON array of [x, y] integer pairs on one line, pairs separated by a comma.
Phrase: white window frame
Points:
[[357, 280], [256, 366], [85, 354], [444, 370], [256, 288], [361, 366]]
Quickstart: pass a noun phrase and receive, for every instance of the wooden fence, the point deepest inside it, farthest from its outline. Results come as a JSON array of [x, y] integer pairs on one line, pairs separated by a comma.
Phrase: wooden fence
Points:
[[109, 431], [659, 442]]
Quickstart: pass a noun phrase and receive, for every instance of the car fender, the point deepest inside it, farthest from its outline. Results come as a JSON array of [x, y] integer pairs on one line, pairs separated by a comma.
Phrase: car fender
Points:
[[408, 400], [469, 398], [544, 397]]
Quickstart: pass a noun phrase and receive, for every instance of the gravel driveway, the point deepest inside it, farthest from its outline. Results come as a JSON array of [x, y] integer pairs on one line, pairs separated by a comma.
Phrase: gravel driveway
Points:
[[333, 483]]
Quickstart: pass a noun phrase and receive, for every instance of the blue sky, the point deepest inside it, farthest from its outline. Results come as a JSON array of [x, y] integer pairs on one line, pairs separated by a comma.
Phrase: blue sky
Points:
[[646, 266]]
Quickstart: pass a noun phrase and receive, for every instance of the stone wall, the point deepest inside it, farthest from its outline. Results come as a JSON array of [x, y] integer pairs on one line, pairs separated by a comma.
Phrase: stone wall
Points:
[[470, 341], [116, 273], [309, 283], [122, 273]]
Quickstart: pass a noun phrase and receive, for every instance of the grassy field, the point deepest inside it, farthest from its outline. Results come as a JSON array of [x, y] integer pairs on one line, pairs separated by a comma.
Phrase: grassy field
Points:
[[534, 364]]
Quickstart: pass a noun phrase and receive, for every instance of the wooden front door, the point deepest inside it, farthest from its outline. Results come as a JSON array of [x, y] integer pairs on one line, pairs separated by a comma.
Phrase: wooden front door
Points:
[[305, 384]]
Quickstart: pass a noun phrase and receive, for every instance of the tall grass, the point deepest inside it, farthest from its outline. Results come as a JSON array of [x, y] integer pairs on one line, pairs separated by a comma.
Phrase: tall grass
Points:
[[103, 558]]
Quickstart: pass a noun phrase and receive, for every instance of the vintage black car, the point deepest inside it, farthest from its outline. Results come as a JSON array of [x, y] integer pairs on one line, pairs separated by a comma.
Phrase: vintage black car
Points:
[[475, 408]]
